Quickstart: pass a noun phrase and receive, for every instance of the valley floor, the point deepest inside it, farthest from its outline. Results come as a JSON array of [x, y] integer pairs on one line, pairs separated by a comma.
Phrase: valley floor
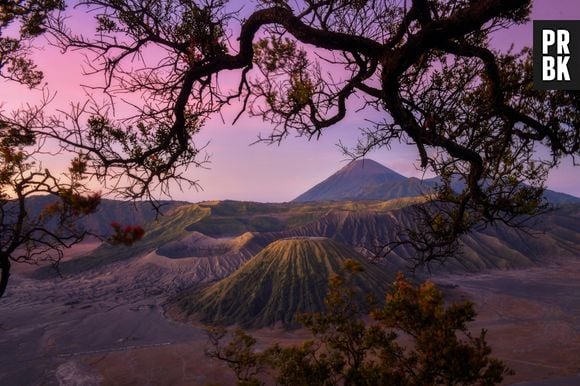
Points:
[[532, 317], [109, 328]]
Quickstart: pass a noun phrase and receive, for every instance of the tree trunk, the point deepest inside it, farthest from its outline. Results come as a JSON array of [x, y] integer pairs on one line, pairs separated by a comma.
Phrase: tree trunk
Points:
[[5, 267]]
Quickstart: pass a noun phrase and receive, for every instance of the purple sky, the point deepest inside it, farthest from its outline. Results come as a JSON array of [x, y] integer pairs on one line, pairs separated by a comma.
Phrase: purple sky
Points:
[[280, 173]]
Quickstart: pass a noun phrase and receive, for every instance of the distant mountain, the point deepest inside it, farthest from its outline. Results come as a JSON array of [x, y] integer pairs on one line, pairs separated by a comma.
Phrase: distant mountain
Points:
[[558, 198], [368, 180], [553, 197], [123, 212], [364, 180], [288, 277]]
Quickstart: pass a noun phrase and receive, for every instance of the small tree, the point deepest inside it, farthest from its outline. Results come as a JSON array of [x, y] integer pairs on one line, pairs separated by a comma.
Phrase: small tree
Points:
[[414, 339], [238, 354], [31, 234]]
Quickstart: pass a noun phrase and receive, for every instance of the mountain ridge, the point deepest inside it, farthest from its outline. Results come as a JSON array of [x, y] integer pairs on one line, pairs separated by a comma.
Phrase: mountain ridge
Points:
[[354, 180], [366, 179]]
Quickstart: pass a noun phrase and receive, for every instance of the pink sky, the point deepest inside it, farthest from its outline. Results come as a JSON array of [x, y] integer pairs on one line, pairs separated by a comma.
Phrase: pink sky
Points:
[[280, 173]]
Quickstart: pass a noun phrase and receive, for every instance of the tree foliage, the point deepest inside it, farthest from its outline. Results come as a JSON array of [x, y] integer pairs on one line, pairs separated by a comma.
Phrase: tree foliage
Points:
[[414, 339], [30, 17], [27, 234]]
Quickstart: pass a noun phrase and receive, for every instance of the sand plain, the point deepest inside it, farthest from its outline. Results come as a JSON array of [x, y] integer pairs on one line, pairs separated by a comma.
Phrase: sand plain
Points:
[[108, 327]]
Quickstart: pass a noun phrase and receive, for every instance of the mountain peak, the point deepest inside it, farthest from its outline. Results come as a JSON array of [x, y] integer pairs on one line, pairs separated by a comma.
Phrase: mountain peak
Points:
[[370, 167], [354, 182]]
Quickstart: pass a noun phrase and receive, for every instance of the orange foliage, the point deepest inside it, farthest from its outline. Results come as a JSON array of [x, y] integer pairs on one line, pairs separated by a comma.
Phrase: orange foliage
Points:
[[126, 235]]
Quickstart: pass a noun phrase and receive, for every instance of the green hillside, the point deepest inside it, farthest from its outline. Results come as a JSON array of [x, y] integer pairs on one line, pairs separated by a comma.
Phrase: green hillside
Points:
[[165, 229], [288, 277]]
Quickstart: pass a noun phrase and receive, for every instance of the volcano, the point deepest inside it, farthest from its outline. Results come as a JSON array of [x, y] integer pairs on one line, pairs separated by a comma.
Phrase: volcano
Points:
[[288, 277], [365, 180]]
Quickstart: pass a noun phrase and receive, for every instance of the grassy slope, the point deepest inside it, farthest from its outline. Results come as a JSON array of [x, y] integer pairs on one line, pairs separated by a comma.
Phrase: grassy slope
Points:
[[286, 278], [165, 229]]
